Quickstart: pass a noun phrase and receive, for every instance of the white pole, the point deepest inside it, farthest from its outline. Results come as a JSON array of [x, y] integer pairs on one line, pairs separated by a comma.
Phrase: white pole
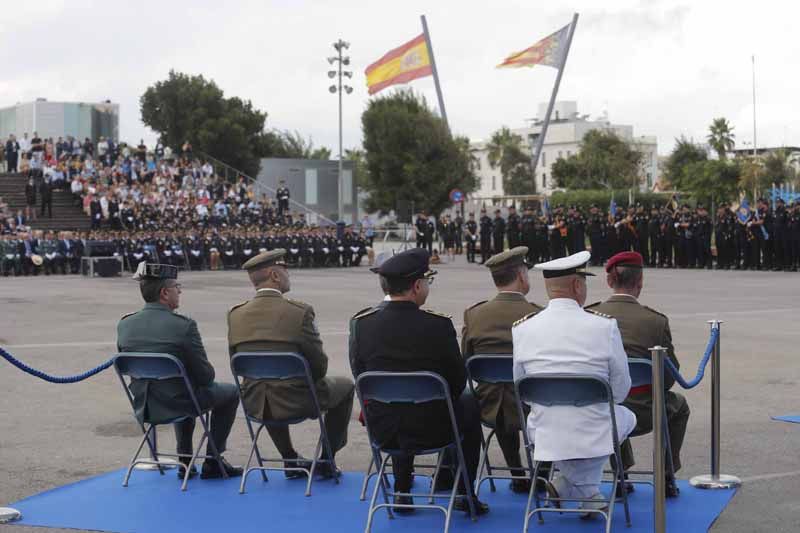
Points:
[[340, 206], [755, 151], [540, 141]]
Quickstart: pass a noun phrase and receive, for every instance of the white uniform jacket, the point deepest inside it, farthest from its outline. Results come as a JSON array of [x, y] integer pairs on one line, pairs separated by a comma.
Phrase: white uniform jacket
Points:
[[564, 338]]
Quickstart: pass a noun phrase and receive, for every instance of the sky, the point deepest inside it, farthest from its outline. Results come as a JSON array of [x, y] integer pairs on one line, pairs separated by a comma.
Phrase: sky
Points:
[[666, 67]]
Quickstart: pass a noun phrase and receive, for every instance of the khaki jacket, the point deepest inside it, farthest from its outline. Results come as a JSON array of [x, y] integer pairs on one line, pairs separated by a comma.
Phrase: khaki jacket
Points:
[[271, 322]]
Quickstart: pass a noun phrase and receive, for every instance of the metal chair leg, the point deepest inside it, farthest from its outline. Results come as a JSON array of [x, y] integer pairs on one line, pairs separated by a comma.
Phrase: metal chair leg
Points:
[[193, 460], [207, 434], [453, 496], [365, 483], [492, 433], [439, 460], [378, 486], [136, 456], [314, 463]]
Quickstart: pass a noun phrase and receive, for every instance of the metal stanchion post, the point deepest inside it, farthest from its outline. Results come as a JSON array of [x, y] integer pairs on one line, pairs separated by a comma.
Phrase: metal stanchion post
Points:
[[715, 480], [659, 482]]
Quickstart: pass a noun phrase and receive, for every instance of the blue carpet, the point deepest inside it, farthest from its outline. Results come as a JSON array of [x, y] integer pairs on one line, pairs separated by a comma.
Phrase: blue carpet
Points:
[[154, 504], [794, 419]]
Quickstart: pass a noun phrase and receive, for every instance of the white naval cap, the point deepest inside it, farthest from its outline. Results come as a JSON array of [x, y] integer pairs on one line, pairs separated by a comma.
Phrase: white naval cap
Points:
[[574, 264]]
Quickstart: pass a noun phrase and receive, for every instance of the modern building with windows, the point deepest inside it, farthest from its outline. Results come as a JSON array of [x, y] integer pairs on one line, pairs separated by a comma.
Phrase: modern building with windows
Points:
[[60, 119], [564, 135], [313, 183]]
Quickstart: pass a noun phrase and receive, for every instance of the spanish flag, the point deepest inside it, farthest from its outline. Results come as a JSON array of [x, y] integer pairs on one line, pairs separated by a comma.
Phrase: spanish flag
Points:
[[401, 65], [549, 51]]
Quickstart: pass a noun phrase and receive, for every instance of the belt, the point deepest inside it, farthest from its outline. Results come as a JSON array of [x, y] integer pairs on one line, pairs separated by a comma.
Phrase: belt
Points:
[[641, 389]]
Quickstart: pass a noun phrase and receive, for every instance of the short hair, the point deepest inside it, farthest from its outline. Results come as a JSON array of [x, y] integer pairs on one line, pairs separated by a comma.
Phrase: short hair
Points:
[[396, 286], [627, 277], [505, 276], [259, 275], [151, 289]]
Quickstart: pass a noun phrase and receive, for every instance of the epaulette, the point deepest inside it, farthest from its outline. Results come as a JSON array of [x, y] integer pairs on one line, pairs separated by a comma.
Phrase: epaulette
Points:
[[432, 312], [364, 312], [129, 314], [656, 312], [298, 303], [592, 305], [523, 319], [237, 306], [598, 313], [476, 304], [182, 316]]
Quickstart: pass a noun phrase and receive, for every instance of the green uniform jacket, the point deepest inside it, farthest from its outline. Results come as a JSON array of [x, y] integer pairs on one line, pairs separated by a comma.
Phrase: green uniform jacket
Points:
[[156, 329], [270, 322], [487, 330]]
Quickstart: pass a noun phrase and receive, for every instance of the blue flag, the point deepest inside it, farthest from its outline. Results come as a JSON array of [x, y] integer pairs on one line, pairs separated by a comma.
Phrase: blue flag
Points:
[[612, 207], [743, 213], [545, 207]]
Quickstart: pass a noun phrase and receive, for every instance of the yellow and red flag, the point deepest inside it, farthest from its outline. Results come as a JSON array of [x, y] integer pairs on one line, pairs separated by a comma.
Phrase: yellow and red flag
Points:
[[549, 51], [401, 65]]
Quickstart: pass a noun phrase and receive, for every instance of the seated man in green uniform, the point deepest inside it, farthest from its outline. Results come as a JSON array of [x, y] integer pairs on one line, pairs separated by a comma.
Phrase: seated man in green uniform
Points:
[[158, 329], [642, 328], [487, 330], [272, 322]]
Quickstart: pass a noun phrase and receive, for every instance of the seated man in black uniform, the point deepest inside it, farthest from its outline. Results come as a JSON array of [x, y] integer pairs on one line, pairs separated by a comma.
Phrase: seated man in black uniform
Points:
[[404, 338]]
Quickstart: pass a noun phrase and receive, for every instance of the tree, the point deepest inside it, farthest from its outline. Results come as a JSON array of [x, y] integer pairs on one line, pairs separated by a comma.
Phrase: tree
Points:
[[721, 137], [604, 162], [778, 167], [411, 155], [685, 153], [712, 180], [292, 145], [185, 107], [507, 150]]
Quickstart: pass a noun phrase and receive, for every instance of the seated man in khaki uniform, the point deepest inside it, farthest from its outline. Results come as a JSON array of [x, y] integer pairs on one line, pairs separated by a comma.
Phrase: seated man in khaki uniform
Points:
[[641, 329], [487, 330], [272, 322]]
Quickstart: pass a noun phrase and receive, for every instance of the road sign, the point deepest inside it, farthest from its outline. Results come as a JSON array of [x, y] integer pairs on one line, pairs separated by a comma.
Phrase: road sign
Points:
[[456, 196]]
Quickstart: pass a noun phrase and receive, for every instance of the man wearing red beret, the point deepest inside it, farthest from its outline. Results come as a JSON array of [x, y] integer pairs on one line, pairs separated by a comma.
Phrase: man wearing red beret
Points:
[[641, 328]]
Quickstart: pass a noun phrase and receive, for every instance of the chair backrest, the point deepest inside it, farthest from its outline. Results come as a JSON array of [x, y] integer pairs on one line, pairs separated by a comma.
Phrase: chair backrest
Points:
[[641, 371], [563, 389], [402, 387], [148, 366], [491, 368], [270, 365]]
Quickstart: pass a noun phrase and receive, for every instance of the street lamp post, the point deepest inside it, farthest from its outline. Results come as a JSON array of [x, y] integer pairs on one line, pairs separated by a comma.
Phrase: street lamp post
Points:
[[339, 46]]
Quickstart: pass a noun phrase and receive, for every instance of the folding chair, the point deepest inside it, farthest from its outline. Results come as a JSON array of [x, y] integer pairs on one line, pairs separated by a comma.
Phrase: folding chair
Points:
[[641, 371], [280, 366], [494, 369], [579, 391], [411, 388], [159, 367]]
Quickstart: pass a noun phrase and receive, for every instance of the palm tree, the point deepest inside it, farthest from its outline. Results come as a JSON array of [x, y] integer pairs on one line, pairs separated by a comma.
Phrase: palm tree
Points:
[[721, 137], [506, 150]]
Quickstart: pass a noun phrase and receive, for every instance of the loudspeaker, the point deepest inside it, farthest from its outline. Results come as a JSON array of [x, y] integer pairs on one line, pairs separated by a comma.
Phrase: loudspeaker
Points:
[[107, 268], [405, 211], [99, 249]]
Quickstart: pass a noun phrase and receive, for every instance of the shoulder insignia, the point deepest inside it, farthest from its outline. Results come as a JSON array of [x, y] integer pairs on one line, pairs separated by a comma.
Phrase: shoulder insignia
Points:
[[523, 319], [129, 314], [654, 311], [364, 312], [598, 313], [476, 304], [298, 303], [237, 306], [592, 305], [432, 312]]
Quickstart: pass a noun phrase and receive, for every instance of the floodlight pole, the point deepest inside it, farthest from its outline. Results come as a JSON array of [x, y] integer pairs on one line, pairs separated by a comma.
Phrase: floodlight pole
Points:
[[339, 87]]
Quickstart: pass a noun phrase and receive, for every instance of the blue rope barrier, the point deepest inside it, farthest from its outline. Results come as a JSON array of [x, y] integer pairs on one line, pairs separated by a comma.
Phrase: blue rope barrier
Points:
[[54, 379], [701, 369]]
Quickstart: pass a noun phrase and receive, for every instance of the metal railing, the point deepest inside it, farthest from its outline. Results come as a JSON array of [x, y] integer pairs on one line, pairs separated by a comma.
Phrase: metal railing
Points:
[[228, 171]]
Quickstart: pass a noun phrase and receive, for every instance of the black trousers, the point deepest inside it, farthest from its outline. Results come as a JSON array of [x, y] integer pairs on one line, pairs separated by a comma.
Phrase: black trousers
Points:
[[223, 399], [470, 249], [486, 247], [468, 419]]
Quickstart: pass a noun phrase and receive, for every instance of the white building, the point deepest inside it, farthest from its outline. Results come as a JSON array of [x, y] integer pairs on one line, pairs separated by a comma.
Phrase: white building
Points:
[[564, 135]]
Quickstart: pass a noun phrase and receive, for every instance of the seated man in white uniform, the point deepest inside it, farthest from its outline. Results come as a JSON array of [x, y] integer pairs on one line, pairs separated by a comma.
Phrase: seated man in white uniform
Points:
[[564, 338]]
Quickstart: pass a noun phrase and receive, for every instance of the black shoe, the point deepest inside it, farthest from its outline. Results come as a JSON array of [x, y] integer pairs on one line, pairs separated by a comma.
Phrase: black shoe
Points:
[[672, 490], [327, 471], [403, 500], [628, 488], [211, 469], [444, 481], [300, 462], [182, 471], [462, 505], [521, 486]]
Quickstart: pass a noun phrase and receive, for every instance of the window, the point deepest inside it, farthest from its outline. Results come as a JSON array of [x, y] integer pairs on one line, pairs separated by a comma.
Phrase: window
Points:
[[494, 183], [559, 154], [544, 181], [544, 158], [569, 153], [311, 186]]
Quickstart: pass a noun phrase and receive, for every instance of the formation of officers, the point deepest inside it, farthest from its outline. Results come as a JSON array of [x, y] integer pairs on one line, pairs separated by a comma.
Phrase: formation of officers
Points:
[[668, 236], [400, 335], [40, 252]]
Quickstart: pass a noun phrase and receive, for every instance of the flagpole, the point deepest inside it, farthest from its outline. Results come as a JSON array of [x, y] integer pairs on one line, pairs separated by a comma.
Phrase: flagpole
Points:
[[540, 142], [434, 71]]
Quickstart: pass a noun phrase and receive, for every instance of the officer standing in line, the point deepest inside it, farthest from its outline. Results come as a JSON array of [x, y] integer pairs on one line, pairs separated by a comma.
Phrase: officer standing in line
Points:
[[703, 228], [794, 235], [641, 328], [780, 231], [159, 329], [528, 233], [420, 226], [598, 235], [641, 223], [283, 198], [486, 226], [654, 232], [487, 330], [499, 232], [471, 236]]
